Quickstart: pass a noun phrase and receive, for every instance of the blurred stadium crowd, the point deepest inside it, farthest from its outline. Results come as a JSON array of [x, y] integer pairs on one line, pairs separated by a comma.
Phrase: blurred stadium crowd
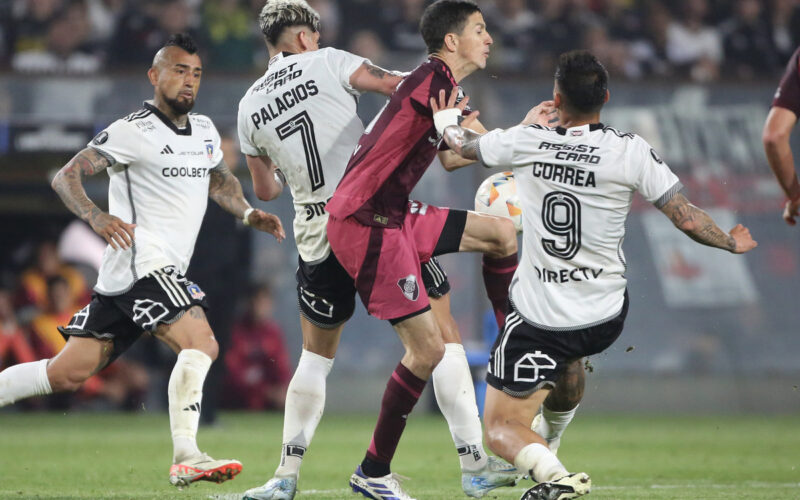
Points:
[[701, 40]]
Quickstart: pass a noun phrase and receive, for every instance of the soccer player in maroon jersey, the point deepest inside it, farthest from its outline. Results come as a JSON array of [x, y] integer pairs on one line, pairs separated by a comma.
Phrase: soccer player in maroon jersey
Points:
[[777, 131], [374, 241]]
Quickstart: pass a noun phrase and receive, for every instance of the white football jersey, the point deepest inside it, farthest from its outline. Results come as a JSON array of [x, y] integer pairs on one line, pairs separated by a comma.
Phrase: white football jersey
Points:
[[575, 186], [302, 114], [160, 183]]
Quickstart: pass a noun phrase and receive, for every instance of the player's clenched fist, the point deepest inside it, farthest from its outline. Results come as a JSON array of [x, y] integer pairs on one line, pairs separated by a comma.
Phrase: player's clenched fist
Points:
[[115, 231], [741, 236], [269, 223]]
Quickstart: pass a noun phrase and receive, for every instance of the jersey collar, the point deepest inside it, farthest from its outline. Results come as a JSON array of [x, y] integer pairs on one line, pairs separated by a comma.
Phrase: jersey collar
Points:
[[161, 116], [277, 57], [591, 127]]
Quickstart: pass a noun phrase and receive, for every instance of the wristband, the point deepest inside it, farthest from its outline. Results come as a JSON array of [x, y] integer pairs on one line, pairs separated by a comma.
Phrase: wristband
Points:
[[444, 118], [247, 213]]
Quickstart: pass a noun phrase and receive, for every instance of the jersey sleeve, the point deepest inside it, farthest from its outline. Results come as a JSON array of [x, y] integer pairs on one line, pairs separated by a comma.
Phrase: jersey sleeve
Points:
[[244, 128], [652, 177], [119, 141], [497, 148], [788, 94], [343, 64]]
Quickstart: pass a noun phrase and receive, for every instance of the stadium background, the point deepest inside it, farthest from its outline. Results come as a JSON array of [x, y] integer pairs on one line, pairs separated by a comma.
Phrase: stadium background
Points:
[[708, 332]]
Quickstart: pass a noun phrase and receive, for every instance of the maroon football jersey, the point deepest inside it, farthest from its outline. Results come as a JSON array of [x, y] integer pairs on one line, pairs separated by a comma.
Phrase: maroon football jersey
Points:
[[394, 151], [788, 93]]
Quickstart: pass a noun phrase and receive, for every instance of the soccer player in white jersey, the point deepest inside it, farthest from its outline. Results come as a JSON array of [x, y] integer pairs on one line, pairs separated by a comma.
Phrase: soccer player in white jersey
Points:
[[163, 164], [568, 296], [298, 125]]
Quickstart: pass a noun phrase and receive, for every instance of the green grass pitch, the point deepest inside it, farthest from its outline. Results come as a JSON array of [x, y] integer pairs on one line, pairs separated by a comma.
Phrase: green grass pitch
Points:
[[127, 456]]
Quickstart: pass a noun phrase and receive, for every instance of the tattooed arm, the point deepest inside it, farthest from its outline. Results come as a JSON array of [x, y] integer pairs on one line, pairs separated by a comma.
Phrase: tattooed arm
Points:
[[370, 78], [68, 184], [224, 188], [700, 227]]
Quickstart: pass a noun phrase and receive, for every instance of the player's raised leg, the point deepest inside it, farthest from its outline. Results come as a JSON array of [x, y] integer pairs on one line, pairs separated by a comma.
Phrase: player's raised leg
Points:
[[455, 395], [191, 337], [67, 371], [496, 239]]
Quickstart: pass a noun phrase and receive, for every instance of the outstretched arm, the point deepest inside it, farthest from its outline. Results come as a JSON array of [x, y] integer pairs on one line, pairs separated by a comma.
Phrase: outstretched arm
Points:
[[700, 227], [224, 188], [371, 78], [777, 130], [68, 183]]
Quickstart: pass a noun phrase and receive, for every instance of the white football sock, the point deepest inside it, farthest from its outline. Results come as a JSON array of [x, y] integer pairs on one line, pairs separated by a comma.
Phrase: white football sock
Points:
[[305, 402], [23, 381], [455, 394], [185, 393], [540, 462], [553, 424]]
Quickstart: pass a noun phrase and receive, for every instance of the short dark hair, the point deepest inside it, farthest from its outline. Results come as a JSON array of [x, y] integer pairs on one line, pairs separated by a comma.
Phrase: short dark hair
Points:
[[582, 80], [183, 41], [443, 17], [278, 15]]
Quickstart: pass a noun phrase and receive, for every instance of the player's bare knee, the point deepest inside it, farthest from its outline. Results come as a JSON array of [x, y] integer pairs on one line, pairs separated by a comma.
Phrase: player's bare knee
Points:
[[204, 342]]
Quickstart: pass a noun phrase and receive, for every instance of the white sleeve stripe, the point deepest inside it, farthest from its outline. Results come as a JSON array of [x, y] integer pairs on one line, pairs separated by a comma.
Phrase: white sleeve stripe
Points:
[[664, 198]]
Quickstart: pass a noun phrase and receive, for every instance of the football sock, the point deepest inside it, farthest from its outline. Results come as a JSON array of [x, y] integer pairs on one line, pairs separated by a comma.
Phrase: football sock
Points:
[[497, 274], [23, 381], [540, 462], [553, 423], [402, 392], [455, 394], [305, 402], [185, 392]]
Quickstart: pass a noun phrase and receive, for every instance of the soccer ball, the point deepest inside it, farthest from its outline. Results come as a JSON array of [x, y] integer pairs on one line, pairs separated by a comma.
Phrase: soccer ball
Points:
[[497, 195]]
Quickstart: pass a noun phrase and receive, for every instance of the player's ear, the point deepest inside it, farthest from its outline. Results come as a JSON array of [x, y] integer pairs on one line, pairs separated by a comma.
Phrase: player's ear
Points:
[[608, 96], [451, 42], [556, 99], [152, 75]]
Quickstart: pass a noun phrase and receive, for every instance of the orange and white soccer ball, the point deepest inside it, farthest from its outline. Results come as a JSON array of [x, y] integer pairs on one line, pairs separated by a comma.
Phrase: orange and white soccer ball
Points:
[[497, 195]]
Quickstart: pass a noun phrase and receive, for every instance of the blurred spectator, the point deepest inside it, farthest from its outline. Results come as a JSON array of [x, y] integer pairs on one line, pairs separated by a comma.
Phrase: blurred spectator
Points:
[[257, 363], [511, 24], [784, 25], [103, 18], [331, 22], [145, 27], [82, 248], [399, 25], [560, 24], [749, 51], [47, 265], [58, 310], [614, 53], [66, 46], [15, 345], [30, 20], [366, 43], [692, 45], [648, 52], [230, 45]]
